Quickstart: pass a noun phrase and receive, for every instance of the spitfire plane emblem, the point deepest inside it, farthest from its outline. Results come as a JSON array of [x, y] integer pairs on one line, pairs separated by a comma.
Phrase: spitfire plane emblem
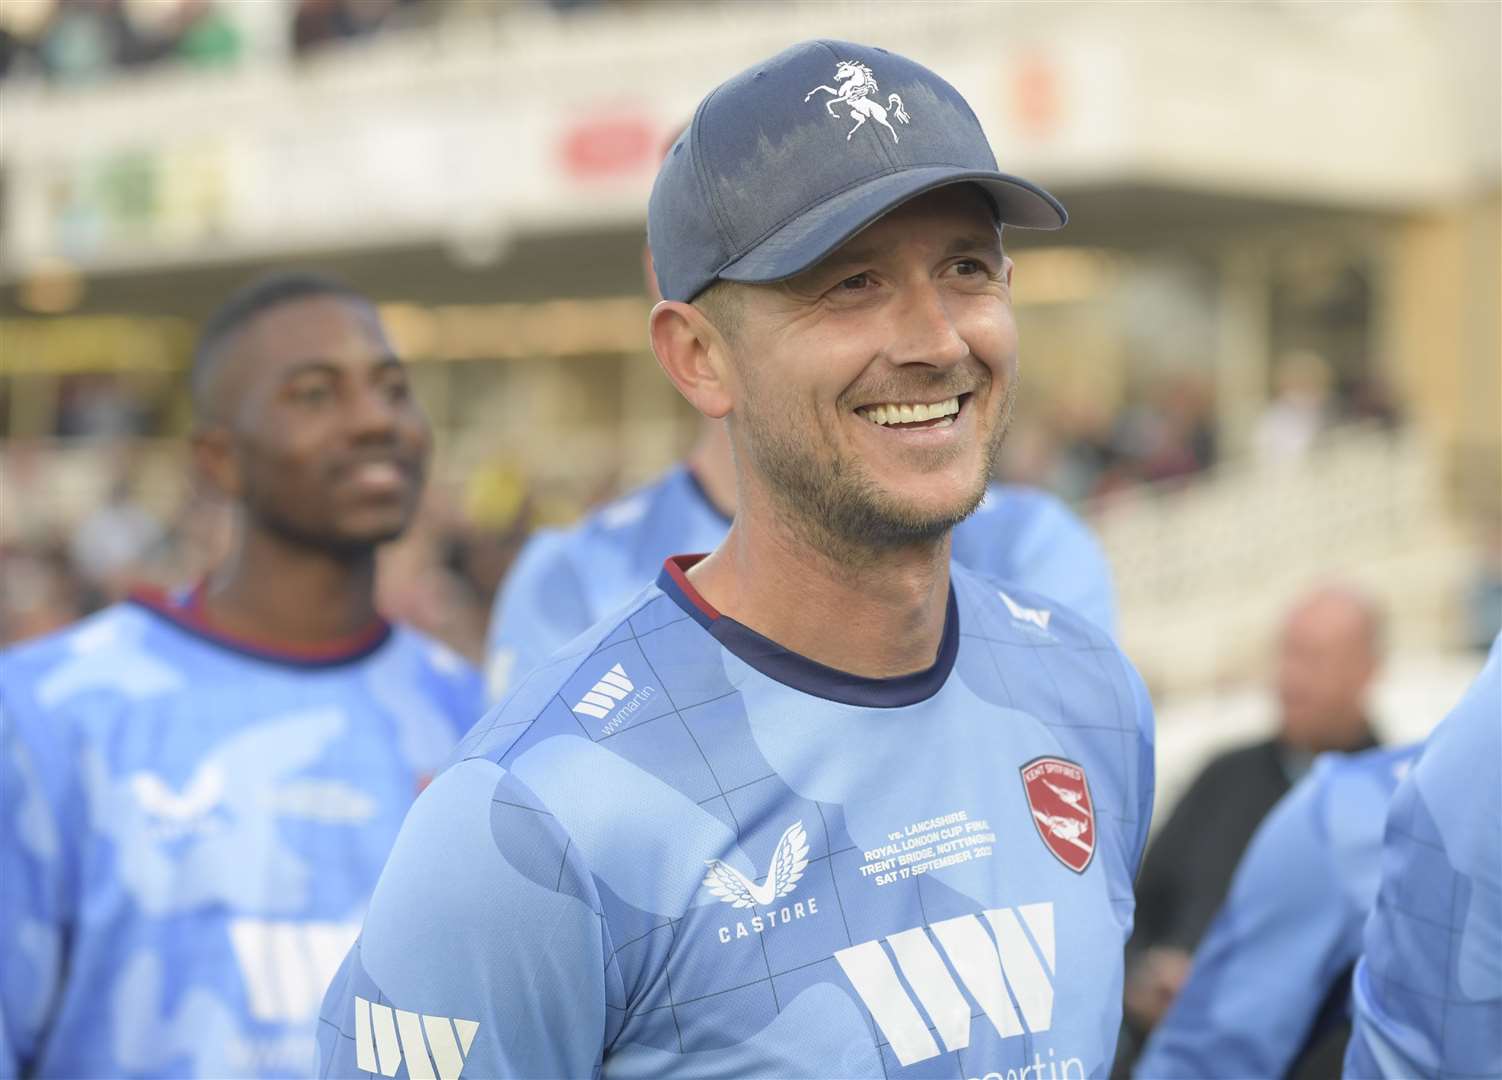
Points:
[[789, 860], [1058, 795]]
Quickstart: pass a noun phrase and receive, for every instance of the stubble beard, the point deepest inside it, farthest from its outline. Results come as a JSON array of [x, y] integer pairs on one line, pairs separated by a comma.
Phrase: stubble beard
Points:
[[835, 506], [261, 511]]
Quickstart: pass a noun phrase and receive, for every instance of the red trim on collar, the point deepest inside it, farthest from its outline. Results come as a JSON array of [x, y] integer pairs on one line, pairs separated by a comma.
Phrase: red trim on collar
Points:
[[677, 567], [188, 612]]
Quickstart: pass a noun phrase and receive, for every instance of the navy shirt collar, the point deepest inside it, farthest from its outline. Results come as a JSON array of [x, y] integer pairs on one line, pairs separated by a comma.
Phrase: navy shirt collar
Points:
[[798, 671]]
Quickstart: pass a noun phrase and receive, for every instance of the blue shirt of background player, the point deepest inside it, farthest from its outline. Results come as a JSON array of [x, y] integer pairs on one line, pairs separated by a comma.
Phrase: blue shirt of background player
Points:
[[1428, 988], [566, 581], [547, 911], [190, 826], [1277, 959]]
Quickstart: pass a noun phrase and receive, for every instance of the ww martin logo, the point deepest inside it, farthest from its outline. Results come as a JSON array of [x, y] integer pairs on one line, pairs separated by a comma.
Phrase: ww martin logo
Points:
[[1020, 958], [1033, 616], [606, 694], [609, 696], [387, 1037]]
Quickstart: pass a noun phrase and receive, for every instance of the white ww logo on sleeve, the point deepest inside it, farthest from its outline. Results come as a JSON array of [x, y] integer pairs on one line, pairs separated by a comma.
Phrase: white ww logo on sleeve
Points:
[[385, 1037]]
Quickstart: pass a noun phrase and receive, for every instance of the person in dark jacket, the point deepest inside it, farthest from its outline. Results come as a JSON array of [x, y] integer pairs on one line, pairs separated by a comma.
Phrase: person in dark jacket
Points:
[[1329, 654]]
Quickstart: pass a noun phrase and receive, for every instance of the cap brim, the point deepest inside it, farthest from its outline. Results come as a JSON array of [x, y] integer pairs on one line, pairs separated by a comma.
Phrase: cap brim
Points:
[[812, 235]]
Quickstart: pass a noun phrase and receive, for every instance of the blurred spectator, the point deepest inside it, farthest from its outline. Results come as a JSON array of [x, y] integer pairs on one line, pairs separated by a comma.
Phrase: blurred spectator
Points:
[[1270, 989], [1299, 410], [207, 36], [1165, 432], [1084, 429], [98, 406], [21, 25], [322, 22], [39, 592], [26, 488], [1328, 657], [87, 41], [1368, 399], [84, 40], [1184, 440], [114, 544]]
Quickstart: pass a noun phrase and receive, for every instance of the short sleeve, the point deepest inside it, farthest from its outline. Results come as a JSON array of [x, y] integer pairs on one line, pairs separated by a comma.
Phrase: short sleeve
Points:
[[484, 947]]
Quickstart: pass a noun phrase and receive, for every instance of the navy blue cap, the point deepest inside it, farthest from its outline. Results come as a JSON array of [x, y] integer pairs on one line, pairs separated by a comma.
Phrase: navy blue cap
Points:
[[789, 159]]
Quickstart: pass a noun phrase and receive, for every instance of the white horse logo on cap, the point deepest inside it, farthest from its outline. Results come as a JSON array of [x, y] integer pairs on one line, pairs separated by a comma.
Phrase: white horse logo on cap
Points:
[[857, 89]]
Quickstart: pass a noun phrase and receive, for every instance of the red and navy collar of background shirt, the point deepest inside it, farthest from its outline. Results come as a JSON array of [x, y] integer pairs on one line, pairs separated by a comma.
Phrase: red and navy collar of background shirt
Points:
[[798, 671], [186, 612]]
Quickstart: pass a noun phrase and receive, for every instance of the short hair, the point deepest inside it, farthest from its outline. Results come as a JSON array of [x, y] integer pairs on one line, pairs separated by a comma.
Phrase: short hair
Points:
[[721, 304], [244, 304]]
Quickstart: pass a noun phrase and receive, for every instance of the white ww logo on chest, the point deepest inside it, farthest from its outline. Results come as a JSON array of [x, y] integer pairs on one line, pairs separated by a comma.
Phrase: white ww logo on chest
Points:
[[985, 968]]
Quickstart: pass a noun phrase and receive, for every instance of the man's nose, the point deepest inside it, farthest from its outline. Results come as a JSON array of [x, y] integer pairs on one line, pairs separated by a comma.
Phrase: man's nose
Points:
[[373, 413], [926, 331]]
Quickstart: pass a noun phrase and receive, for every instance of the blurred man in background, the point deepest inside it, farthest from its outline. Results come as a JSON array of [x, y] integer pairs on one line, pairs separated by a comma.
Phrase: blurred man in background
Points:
[[563, 582], [199, 790], [1329, 655], [1428, 988], [1269, 992]]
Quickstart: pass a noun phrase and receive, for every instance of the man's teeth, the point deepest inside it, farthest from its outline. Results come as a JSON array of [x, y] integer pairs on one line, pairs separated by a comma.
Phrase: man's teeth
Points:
[[902, 413]]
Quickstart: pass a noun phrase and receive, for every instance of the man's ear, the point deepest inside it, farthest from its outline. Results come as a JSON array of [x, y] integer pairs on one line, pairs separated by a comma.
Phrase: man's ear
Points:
[[695, 357], [216, 462]]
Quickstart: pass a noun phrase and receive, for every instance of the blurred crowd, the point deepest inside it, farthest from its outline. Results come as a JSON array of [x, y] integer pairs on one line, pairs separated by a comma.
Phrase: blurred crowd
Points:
[[443, 575], [85, 41], [1082, 450], [1166, 429]]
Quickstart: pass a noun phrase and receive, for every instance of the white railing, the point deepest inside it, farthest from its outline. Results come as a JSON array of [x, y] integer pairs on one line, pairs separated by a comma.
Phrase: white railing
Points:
[[1205, 571]]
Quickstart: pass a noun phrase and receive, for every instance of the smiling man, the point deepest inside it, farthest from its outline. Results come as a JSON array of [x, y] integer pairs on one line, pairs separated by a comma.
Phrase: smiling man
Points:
[[564, 581], [820, 803], [198, 791]]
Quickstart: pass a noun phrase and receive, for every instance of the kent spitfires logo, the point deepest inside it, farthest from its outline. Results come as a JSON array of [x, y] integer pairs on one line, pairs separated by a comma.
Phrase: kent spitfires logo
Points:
[[1058, 795]]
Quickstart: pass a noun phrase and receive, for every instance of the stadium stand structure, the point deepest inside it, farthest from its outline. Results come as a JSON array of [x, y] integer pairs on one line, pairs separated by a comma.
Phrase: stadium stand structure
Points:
[[1204, 568]]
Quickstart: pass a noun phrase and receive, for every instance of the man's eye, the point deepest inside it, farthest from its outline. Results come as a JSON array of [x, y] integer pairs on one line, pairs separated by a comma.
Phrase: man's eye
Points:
[[854, 283], [397, 390], [969, 267], [311, 394]]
